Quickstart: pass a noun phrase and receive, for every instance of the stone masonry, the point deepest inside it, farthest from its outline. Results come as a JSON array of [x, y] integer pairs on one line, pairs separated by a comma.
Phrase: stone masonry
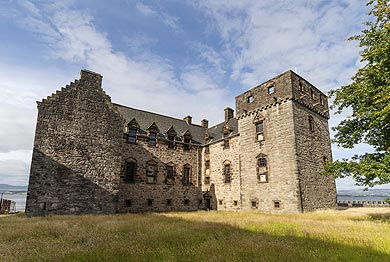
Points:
[[94, 156]]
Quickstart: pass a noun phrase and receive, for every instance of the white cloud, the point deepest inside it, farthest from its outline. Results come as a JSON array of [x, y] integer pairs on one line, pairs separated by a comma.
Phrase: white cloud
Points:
[[170, 21]]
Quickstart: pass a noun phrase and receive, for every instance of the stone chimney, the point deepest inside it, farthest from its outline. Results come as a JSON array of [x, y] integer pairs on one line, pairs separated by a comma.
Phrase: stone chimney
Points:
[[229, 114], [188, 120], [205, 123]]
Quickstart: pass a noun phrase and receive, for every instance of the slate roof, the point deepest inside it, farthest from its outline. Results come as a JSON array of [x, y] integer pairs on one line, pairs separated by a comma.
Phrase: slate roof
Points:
[[216, 132], [146, 119], [164, 123]]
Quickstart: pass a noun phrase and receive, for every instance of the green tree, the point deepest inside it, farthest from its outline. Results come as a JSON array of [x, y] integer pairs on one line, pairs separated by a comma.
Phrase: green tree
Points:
[[369, 98]]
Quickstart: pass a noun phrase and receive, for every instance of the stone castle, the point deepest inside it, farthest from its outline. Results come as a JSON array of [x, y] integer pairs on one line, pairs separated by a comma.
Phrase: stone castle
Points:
[[94, 156]]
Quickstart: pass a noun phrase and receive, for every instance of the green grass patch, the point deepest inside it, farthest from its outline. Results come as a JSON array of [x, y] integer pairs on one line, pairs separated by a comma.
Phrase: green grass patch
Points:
[[348, 235]]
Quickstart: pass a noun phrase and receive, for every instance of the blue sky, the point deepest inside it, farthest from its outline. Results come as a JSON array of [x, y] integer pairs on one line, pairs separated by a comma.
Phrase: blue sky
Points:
[[173, 57]]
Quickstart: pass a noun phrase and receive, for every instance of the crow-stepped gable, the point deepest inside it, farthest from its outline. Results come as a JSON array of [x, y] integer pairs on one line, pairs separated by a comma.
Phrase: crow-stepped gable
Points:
[[94, 156]]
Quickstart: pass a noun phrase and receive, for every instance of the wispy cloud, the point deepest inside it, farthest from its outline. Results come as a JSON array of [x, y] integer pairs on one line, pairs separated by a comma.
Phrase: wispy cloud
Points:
[[171, 21]]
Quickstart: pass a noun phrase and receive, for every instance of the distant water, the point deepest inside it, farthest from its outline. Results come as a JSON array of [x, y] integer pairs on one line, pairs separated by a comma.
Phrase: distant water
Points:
[[19, 198], [370, 195]]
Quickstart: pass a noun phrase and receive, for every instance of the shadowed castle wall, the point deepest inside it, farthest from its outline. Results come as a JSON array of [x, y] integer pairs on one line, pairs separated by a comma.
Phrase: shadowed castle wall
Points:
[[77, 151]]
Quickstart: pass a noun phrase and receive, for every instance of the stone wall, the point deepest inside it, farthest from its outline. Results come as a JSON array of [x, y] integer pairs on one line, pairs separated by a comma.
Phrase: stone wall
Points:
[[313, 145], [164, 196], [77, 151], [279, 149], [225, 196]]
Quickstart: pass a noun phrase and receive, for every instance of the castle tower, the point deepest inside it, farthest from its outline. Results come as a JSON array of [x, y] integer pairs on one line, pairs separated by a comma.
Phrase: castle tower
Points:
[[284, 142]]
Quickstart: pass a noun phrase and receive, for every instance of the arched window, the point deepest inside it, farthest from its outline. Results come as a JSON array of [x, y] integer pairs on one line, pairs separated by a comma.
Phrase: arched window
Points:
[[130, 170]]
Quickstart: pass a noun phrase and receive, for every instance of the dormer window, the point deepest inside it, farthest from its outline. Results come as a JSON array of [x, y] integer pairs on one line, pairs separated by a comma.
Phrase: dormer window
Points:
[[152, 139], [187, 140], [171, 134], [132, 138]]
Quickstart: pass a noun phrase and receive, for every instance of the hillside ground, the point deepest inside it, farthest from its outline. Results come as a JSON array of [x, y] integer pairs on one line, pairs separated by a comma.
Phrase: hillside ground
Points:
[[355, 234]]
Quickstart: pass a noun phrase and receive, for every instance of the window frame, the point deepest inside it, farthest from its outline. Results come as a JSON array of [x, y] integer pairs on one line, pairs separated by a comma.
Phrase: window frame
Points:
[[187, 178], [126, 178], [227, 172], [152, 141], [131, 136], [153, 164]]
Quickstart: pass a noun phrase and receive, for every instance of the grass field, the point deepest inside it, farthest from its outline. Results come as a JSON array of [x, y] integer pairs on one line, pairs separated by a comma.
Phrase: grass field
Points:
[[359, 234]]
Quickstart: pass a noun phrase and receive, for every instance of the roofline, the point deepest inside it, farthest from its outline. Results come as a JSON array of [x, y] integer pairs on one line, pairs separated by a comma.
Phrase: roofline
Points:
[[116, 104]]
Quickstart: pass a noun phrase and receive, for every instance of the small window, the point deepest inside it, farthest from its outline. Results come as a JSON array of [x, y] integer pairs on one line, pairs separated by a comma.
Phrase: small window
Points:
[[152, 139], [226, 144], [312, 95], [277, 204], [151, 173], [254, 204], [207, 172], [220, 202], [262, 162], [186, 202], [169, 202], [300, 86], [311, 123], [227, 174], [171, 141], [207, 180], [260, 131], [321, 100], [132, 139], [130, 172], [200, 202], [187, 175], [263, 177], [271, 89], [207, 150], [44, 206], [128, 202], [187, 145], [207, 164], [150, 202], [170, 174], [250, 99], [235, 203]]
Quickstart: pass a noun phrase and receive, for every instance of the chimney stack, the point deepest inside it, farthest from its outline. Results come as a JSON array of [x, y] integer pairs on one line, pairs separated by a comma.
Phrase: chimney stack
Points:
[[229, 114], [205, 123], [188, 119]]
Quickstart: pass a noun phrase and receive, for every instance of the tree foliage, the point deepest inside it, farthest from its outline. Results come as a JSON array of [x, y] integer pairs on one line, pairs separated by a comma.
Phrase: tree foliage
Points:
[[369, 98]]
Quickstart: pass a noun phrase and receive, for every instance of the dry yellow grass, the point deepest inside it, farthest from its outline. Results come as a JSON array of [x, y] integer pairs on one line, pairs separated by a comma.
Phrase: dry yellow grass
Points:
[[359, 234]]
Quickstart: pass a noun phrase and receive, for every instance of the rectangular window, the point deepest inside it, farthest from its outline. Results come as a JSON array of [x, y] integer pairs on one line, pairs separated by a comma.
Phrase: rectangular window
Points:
[[170, 175], [150, 202], [263, 177], [187, 176], [271, 89], [312, 94], [207, 150], [226, 144], [128, 202], [254, 204], [277, 204], [250, 99], [171, 142], [169, 202], [186, 202], [259, 127], [132, 136], [235, 203], [150, 174], [187, 144], [220, 202], [152, 139], [227, 173], [207, 180], [130, 172]]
